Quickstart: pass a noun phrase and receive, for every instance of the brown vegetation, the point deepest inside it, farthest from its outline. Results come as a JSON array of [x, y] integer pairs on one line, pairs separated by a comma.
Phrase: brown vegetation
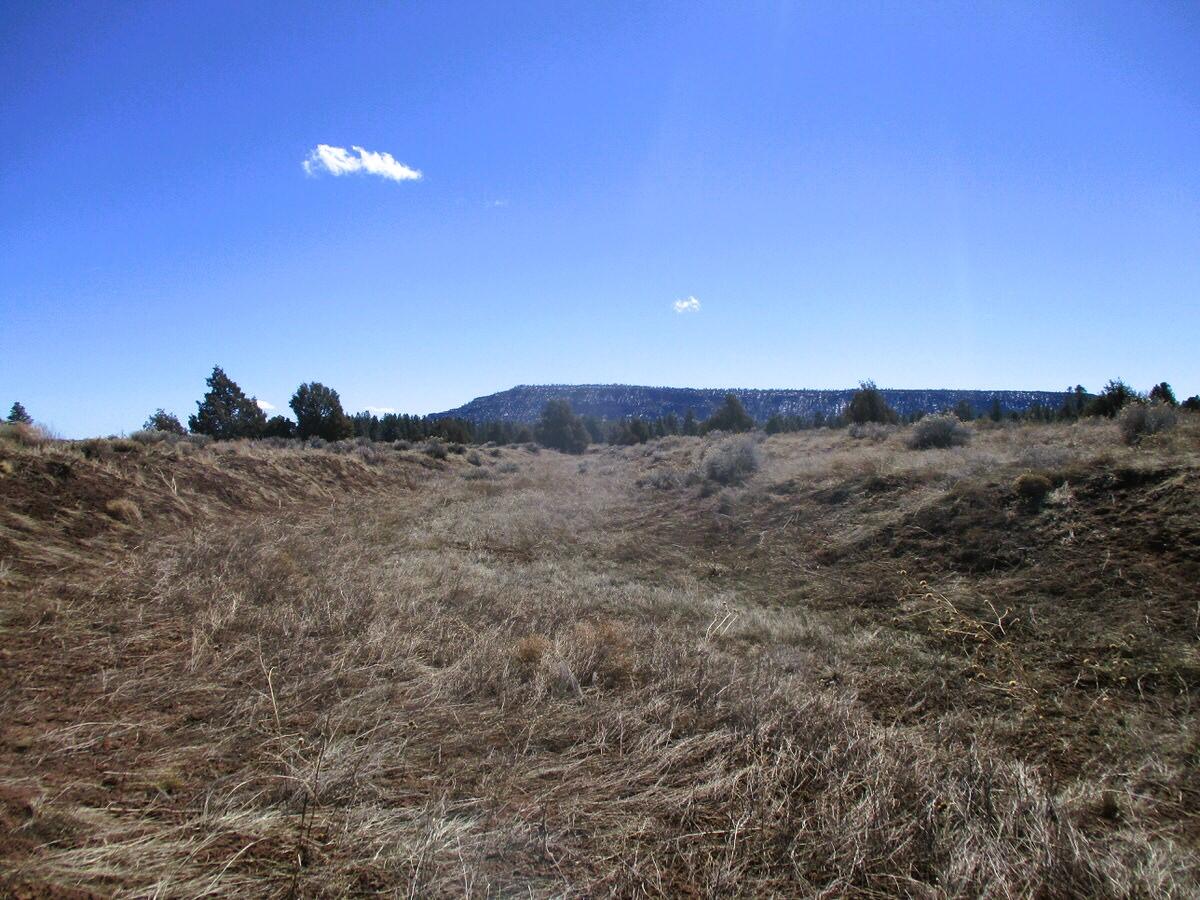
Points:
[[857, 669]]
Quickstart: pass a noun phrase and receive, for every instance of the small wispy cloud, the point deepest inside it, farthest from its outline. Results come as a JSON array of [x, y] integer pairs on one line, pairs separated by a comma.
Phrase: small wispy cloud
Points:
[[340, 161], [264, 405], [381, 410], [687, 305]]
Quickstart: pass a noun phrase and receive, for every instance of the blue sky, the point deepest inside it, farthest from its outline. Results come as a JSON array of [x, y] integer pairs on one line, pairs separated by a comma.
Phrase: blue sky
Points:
[[974, 195]]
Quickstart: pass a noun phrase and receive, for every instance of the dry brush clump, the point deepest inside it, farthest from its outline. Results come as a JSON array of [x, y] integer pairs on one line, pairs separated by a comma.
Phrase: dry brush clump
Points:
[[1140, 420], [732, 460], [939, 431]]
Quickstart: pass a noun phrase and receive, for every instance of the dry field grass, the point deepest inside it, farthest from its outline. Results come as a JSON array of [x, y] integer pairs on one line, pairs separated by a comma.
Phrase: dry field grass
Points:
[[864, 670]]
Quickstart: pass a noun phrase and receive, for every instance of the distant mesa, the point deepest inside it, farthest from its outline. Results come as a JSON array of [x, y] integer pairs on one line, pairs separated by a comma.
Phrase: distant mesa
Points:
[[525, 402]]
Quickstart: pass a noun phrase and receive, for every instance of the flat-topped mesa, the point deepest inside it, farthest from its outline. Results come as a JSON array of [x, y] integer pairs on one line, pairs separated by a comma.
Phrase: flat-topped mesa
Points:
[[524, 403]]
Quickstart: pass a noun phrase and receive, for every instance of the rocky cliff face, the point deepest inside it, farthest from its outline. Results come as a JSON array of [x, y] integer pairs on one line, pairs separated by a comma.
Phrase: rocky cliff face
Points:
[[617, 401]]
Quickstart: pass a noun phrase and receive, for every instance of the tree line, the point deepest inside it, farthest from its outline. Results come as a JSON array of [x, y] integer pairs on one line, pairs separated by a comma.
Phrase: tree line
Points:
[[226, 412]]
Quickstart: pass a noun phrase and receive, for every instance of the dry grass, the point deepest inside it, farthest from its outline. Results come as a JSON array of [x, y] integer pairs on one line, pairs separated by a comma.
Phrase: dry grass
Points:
[[867, 671], [123, 510]]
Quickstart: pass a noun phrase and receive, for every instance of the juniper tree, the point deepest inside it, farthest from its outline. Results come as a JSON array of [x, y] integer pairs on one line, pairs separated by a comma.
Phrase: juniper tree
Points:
[[1112, 399], [319, 413], [226, 413], [561, 429], [161, 420], [730, 416], [868, 405], [280, 427], [1162, 393]]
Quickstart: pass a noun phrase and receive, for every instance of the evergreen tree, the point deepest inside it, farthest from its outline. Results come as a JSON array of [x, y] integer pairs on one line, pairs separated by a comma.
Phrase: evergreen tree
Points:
[[962, 409], [995, 413], [161, 420], [1162, 393], [365, 425], [730, 416], [226, 413], [17, 414], [689, 422], [868, 405], [389, 427], [595, 429], [319, 413], [561, 429], [1111, 400], [279, 427], [1192, 403]]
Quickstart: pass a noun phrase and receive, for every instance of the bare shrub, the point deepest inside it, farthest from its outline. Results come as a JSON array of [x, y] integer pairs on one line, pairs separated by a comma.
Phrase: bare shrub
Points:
[[1137, 420], [474, 458], [732, 461], [435, 449], [939, 431], [661, 480]]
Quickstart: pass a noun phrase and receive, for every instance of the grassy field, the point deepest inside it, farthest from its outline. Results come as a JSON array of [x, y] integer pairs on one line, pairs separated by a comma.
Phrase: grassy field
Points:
[[850, 668]]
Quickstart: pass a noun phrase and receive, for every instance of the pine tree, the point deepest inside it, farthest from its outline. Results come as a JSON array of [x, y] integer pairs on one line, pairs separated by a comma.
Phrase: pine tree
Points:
[[226, 413], [318, 411], [18, 415]]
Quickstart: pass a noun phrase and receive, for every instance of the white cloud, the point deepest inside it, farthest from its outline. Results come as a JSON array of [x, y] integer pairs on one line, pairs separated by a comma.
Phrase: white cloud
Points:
[[340, 161], [380, 410], [264, 405], [690, 305]]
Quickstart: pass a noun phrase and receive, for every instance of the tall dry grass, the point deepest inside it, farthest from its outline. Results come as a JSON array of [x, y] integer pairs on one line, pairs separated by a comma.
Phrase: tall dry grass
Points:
[[553, 682]]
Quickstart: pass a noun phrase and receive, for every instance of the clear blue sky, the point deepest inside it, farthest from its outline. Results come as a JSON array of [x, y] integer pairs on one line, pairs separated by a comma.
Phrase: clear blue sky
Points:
[[974, 195]]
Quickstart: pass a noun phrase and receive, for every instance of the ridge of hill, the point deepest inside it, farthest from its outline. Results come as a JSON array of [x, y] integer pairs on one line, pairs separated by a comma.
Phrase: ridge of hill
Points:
[[524, 402]]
